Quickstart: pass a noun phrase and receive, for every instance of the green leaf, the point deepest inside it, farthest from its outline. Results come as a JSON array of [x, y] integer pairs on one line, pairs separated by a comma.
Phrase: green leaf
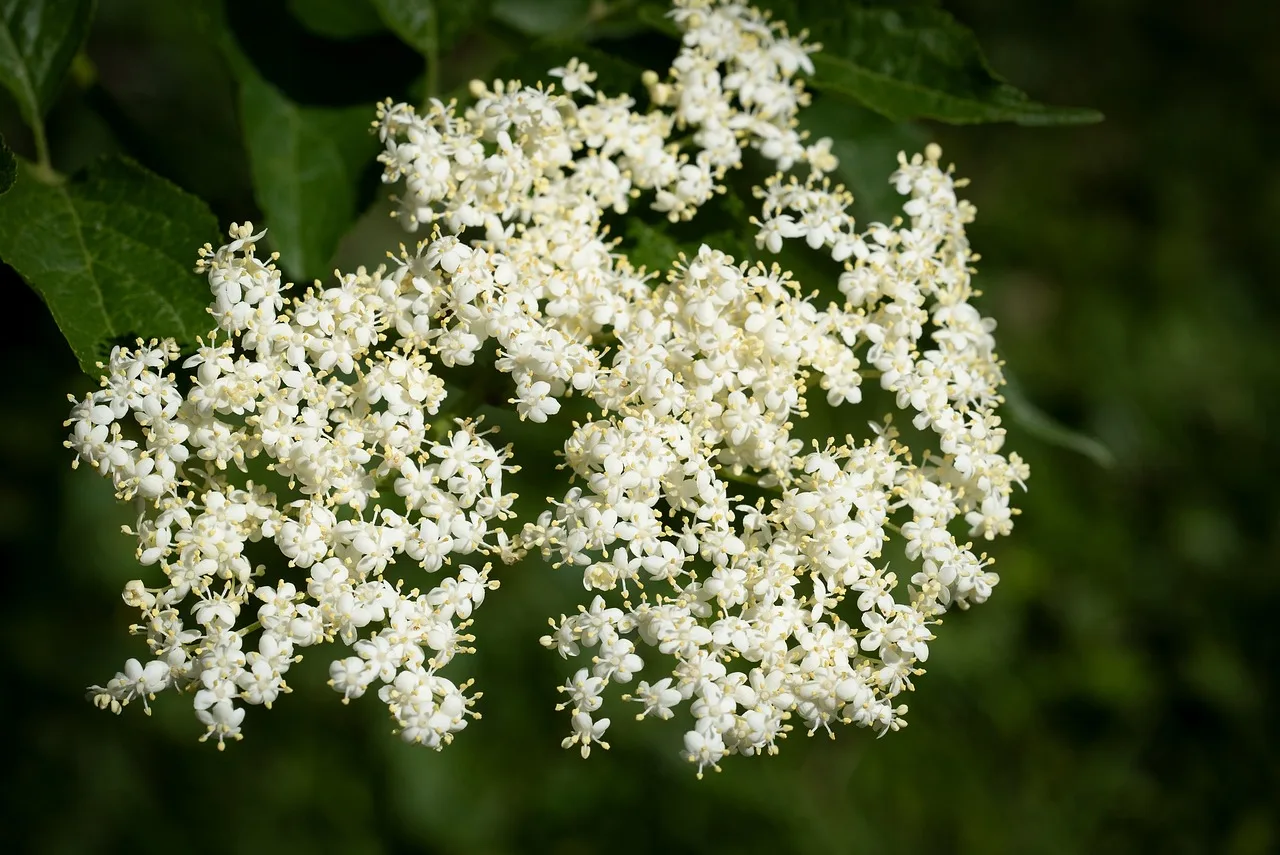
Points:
[[542, 17], [430, 27], [306, 163], [650, 246], [1044, 427], [907, 60], [918, 62], [38, 40], [8, 167], [337, 19], [111, 252]]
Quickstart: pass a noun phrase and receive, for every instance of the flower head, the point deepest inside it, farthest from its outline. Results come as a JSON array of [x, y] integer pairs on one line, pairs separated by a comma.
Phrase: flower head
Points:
[[731, 549]]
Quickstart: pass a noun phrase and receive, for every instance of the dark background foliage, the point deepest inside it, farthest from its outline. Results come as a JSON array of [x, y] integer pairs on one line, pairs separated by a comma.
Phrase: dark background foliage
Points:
[[1112, 697]]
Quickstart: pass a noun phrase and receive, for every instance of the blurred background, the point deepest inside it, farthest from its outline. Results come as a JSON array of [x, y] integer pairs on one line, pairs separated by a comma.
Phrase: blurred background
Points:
[[1113, 696]]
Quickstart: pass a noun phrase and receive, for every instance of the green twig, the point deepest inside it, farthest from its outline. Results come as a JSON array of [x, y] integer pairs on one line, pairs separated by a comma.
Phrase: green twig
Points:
[[44, 170], [42, 146]]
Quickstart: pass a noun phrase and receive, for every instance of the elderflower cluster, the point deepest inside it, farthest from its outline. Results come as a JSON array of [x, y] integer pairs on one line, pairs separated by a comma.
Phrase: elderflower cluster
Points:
[[732, 550], [277, 446]]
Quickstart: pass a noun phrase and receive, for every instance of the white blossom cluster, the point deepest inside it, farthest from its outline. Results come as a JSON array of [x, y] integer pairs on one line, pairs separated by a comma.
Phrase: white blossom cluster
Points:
[[296, 395], [741, 616]]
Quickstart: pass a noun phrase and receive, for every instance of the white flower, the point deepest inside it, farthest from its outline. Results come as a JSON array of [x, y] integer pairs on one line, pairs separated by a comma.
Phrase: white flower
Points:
[[698, 383], [704, 749], [575, 76], [222, 720], [585, 732]]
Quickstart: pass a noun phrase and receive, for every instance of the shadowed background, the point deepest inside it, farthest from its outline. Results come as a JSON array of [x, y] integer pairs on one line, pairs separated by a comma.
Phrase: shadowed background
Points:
[[1113, 695]]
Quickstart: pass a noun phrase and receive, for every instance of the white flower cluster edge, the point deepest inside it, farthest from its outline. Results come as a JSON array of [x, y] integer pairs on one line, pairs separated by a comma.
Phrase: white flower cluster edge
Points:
[[731, 609]]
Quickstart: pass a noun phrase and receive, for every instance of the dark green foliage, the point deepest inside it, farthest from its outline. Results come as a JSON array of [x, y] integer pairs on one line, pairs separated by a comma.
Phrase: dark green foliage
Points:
[[428, 26], [918, 63], [38, 39], [8, 167], [111, 253], [306, 162], [337, 19], [1117, 695], [548, 18], [651, 247], [311, 162]]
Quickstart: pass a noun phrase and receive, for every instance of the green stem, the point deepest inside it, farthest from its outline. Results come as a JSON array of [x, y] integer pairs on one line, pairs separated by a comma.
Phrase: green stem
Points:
[[44, 163], [42, 146]]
